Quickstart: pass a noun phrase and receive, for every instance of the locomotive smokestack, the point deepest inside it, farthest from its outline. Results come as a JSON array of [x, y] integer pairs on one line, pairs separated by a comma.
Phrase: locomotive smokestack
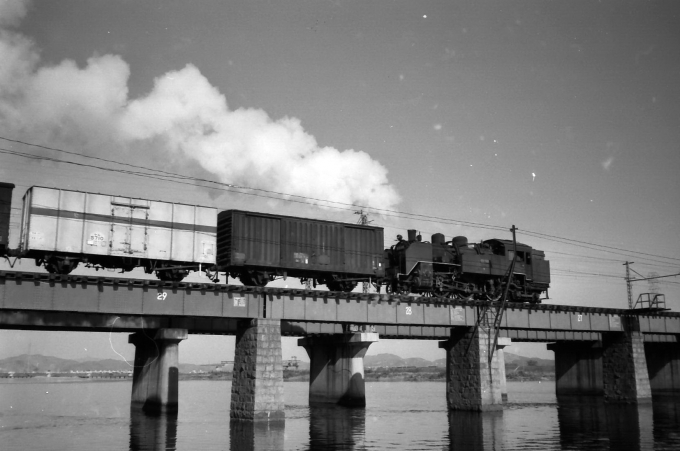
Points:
[[411, 235]]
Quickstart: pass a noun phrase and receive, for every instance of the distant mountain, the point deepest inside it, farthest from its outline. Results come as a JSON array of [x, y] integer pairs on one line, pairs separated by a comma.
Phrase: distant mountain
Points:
[[523, 361], [39, 363], [391, 361]]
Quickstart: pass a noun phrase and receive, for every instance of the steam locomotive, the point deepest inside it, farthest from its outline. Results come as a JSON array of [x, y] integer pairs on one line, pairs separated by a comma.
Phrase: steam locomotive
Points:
[[471, 271], [61, 229]]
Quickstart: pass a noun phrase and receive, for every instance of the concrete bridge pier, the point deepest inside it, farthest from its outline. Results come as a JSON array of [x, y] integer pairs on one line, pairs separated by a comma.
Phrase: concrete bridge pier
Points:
[[663, 366], [336, 374], [615, 367], [471, 382], [257, 384], [502, 343], [156, 375], [578, 368]]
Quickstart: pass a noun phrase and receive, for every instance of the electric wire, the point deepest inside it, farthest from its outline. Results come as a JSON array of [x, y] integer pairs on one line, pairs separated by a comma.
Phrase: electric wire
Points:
[[194, 181]]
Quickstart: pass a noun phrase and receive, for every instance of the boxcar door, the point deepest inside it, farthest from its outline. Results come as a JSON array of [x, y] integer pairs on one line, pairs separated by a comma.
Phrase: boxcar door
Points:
[[128, 229], [121, 215], [139, 223]]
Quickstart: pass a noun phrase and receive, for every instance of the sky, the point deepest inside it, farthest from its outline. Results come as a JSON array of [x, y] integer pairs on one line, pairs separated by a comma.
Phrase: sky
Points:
[[562, 118]]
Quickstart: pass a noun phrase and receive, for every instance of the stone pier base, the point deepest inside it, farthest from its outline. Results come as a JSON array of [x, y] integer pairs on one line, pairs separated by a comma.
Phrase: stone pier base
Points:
[[625, 368], [257, 387], [336, 374], [471, 383], [156, 375]]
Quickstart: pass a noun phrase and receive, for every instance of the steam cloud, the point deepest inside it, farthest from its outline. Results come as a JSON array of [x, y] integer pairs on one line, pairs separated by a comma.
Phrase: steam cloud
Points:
[[184, 115]]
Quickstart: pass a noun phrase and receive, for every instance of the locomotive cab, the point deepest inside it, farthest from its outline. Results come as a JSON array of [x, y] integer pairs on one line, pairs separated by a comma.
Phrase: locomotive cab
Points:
[[531, 275]]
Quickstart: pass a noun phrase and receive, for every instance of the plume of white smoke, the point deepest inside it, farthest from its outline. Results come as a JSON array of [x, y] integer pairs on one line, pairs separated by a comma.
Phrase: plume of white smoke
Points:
[[89, 108]]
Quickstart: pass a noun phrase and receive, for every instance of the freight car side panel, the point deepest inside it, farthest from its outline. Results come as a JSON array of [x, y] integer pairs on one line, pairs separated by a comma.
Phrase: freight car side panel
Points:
[[96, 224], [180, 232], [129, 226], [204, 234], [5, 213], [311, 245], [182, 220], [363, 250], [160, 232], [97, 228], [248, 239], [44, 223], [297, 244]]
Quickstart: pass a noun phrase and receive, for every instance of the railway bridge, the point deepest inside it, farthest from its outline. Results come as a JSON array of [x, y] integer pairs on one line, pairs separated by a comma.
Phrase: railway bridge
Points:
[[623, 355]]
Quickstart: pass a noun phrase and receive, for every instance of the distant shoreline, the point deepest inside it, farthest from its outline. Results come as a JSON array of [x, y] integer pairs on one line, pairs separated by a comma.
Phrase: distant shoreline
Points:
[[188, 377]]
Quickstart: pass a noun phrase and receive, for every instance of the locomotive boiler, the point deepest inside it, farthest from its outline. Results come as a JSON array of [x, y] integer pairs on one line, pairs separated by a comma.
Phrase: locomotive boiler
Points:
[[460, 270]]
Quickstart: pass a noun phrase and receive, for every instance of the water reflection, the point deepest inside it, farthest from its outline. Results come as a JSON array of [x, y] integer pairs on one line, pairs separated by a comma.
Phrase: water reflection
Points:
[[261, 435], [336, 427], [475, 430], [666, 418], [152, 432], [588, 423]]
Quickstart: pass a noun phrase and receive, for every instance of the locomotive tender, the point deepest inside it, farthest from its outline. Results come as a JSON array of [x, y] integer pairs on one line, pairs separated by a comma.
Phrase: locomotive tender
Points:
[[61, 229]]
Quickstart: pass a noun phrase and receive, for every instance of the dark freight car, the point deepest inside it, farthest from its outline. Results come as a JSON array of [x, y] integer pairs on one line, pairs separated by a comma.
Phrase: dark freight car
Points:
[[258, 247], [5, 212]]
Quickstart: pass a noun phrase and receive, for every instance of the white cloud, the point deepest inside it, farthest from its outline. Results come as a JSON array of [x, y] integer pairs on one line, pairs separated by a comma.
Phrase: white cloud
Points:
[[184, 117]]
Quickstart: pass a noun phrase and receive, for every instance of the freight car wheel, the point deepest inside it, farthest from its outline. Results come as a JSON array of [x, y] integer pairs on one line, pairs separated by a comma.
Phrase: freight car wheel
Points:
[[341, 286], [254, 278], [171, 275], [60, 265]]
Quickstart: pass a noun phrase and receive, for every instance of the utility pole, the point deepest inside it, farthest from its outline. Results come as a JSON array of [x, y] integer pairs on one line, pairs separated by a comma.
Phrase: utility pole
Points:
[[363, 220], [630, 280], [500, 309], [628, 284]]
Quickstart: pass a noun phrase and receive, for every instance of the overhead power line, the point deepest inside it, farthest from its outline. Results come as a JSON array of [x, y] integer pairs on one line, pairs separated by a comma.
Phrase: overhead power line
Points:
[[584, 243], [137, 170]]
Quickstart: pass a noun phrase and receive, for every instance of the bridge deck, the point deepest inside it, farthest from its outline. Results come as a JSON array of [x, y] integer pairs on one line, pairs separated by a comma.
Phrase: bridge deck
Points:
[[47, 301]]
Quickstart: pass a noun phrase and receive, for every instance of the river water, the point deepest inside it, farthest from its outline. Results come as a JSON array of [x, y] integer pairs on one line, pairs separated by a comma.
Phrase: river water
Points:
[[93, 415]]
